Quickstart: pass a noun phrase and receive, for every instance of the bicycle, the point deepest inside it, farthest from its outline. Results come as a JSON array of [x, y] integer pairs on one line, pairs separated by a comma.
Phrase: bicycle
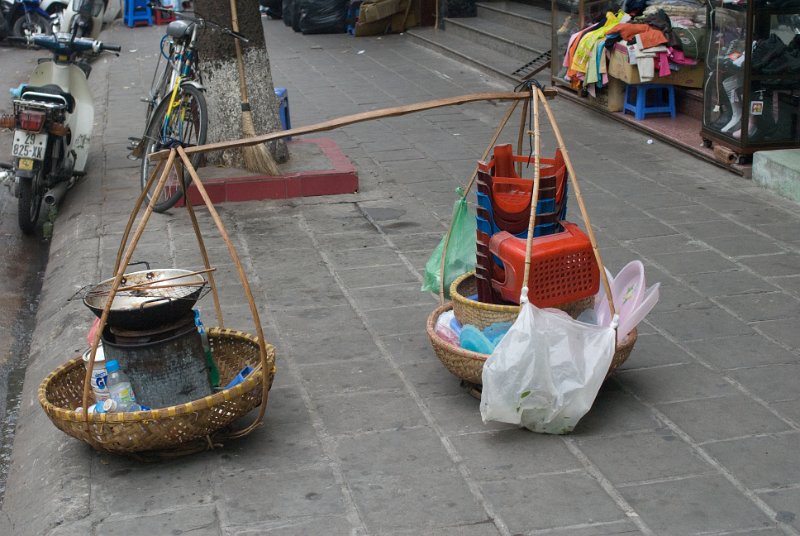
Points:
[[176, 112]]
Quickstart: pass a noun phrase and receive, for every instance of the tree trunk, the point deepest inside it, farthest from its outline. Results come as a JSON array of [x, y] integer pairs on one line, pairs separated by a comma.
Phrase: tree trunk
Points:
[[221, 79]]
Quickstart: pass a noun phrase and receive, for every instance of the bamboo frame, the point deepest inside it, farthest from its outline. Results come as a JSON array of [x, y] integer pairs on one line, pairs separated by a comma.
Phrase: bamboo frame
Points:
[[537, 168], [574, 180], [468, 187], [179, 161], [521, 133]]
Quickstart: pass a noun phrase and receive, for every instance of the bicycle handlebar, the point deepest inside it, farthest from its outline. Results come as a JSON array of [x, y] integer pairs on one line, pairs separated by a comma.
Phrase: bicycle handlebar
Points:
[[201, 22]]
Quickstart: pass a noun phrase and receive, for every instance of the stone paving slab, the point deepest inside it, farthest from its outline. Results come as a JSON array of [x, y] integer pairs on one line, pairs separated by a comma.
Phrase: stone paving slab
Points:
[[365, 432]]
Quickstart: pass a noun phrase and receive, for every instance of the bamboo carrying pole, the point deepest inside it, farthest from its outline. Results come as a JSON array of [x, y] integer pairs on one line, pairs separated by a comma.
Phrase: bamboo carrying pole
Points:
[[257, 158], [574, 180], [354, 118]]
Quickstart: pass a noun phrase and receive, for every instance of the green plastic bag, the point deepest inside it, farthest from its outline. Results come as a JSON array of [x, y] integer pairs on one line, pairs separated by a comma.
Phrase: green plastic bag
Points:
[[461, 249]]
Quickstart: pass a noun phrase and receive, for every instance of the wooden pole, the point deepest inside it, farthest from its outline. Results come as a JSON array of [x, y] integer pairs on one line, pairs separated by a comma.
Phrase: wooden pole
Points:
[[245, 285], [574, 180], [535, 194], [202, 246], [522, 132], [134, 212], [350, 119], [486, 152], [118, 278]]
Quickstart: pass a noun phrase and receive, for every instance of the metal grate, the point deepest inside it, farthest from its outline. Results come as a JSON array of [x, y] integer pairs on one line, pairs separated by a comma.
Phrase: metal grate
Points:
[[537, 64]]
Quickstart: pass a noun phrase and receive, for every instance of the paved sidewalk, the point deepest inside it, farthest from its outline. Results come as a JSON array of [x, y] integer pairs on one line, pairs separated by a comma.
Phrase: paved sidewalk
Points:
[[366, 432]]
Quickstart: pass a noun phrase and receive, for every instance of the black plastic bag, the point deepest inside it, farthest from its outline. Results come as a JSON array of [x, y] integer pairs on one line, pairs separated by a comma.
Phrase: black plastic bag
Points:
[[273, 8], [287, 11], [323, 16]]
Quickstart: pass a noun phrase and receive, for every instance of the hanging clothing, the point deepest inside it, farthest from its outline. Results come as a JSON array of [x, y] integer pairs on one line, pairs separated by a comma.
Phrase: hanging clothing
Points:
[[583, 52], [574, 41]]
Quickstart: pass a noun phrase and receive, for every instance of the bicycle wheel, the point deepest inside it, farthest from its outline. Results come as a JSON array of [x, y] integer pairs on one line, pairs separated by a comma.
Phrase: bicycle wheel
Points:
[[186, 126]]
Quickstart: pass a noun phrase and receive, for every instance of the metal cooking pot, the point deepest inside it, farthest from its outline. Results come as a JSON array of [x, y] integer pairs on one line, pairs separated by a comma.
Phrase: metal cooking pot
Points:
[[157, 297]]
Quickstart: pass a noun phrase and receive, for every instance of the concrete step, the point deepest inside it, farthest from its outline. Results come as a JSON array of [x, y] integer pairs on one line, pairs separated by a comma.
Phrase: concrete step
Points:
[[483, 58], [778, 171], [519, 45], [516, 15], [479, 57]]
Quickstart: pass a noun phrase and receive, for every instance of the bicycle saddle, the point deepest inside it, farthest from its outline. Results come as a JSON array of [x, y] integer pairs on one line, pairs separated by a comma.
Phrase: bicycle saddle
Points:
[[180, 29]]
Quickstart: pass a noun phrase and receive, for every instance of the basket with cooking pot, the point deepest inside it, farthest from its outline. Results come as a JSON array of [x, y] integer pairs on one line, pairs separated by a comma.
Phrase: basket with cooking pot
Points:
[[156, 382]]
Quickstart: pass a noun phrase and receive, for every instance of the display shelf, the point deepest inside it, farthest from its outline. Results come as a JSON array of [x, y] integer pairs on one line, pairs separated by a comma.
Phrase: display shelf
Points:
[[746, 109]]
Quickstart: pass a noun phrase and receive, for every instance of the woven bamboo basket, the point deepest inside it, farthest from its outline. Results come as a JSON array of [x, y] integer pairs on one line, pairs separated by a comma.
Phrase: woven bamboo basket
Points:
[[463, 364], [185, 428], [177, 429], [468, 365], [481, 314]]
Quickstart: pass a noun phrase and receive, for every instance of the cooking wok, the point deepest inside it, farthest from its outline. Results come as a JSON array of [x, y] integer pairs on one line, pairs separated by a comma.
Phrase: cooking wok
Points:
[[147, 299]]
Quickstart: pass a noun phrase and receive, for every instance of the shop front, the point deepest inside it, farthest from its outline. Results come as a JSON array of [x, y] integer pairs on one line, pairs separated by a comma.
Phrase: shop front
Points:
[[720, 80]]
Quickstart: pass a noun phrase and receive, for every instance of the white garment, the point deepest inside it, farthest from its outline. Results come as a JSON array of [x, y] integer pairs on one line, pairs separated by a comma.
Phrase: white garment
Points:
[[645, 59]]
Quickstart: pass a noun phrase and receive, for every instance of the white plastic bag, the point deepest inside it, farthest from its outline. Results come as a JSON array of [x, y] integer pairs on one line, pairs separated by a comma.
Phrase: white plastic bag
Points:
[[546, 372]]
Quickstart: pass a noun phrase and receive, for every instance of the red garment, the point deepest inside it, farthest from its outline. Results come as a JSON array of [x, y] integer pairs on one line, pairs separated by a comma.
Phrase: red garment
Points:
[[649, 35]]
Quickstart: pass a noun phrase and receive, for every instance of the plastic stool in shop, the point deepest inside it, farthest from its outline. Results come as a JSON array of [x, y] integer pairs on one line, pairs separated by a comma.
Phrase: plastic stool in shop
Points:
[[163, 17], [283, 108], [660, 102], [137, 13]]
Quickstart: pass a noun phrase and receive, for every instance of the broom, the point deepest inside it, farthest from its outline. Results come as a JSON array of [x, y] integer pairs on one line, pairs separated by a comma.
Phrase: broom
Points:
[[257, 158]]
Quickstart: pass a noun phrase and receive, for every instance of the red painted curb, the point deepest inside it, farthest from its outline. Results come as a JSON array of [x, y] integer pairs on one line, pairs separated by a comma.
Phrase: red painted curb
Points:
[[342, 178]]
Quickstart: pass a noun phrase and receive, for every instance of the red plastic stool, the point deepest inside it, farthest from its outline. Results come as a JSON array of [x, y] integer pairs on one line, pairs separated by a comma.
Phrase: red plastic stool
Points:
[[163, 17]]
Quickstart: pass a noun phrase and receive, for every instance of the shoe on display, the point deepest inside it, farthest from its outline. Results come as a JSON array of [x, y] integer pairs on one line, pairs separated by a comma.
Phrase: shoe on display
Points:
[[732, 86], [723, 119]]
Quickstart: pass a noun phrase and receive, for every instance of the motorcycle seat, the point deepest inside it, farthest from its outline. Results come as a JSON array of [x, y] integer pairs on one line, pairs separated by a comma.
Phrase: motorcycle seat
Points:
[[52, 89]]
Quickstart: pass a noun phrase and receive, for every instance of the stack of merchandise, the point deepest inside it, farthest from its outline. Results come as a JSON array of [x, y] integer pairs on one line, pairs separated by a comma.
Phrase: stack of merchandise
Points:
[[656, 44], [504, 205]]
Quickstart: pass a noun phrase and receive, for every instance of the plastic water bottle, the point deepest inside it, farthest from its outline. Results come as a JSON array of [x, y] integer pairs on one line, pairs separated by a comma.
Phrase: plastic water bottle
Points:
[[119, 387]]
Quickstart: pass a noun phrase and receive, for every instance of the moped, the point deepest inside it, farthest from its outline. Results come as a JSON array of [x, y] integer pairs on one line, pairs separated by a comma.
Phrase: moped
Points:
[[25, 16], [52, 120], [84, 18]]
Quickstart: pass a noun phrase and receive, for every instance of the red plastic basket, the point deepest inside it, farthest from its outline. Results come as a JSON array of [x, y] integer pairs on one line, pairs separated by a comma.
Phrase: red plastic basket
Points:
[[563, 267]]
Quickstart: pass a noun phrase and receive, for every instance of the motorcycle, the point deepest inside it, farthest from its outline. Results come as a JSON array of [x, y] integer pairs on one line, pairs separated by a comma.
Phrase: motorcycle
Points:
[[6, 15], [25, 16], [84, 18], [52, 120]]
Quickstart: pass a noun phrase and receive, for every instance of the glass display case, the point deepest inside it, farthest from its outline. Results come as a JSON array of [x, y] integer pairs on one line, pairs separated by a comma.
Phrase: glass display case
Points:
[[751, 90]]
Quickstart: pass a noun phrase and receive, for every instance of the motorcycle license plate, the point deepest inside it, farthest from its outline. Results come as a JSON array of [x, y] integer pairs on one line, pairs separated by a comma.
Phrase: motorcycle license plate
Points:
[[29, 145]]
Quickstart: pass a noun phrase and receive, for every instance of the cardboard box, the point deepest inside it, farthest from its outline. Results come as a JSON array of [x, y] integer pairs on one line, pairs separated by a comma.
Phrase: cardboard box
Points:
[[392, 24], [620, 68], [381, 9], [611, 97]]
